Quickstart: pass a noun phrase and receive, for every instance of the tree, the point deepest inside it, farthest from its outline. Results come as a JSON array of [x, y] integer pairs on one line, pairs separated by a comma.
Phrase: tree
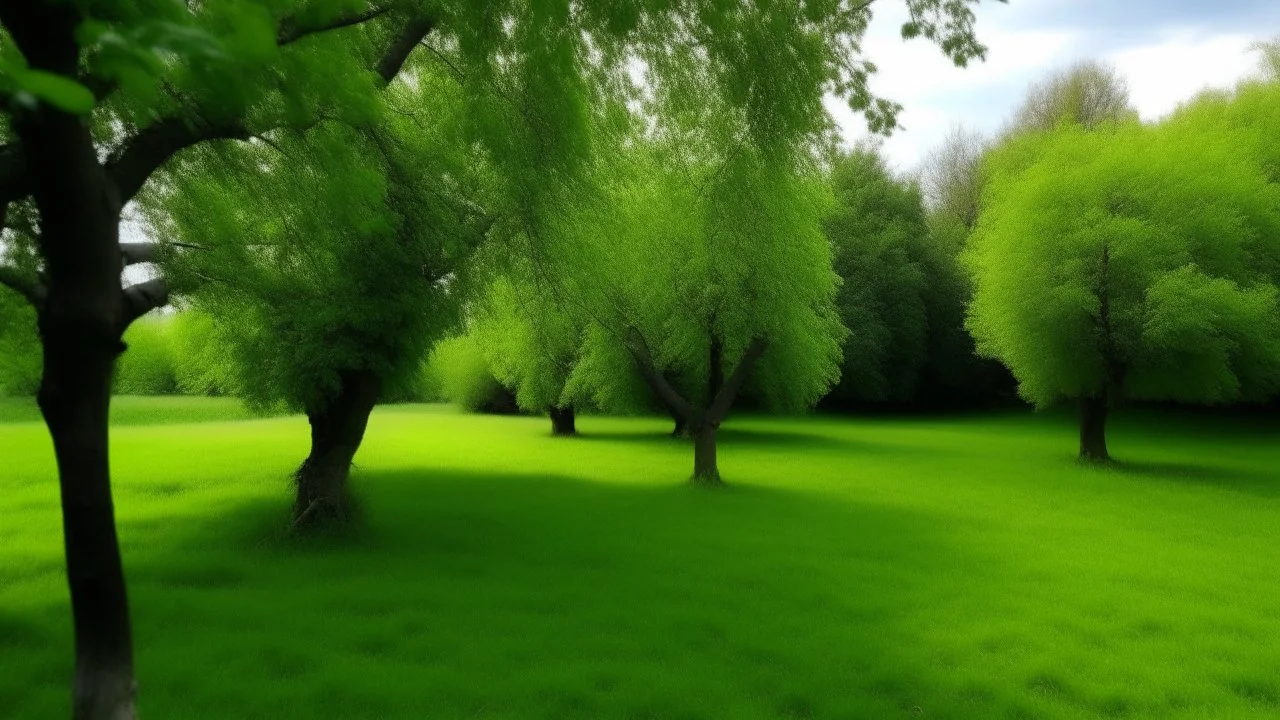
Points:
[[878, 231], [218, 79], [531, 342], [1131, 262], [324, 256], [713, 269], [1088, 94]]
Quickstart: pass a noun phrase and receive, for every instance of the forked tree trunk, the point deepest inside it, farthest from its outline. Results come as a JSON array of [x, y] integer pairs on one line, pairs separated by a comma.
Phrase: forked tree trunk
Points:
[[1093, 429], [562, 421], [337, 429], [705, 469]]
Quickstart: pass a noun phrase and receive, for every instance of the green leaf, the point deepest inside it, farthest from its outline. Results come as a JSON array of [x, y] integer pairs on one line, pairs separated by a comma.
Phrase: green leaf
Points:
[[57, 90]]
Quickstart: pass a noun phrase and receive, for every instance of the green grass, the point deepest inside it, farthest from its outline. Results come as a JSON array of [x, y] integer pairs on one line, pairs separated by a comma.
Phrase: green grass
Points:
[[869, 568]]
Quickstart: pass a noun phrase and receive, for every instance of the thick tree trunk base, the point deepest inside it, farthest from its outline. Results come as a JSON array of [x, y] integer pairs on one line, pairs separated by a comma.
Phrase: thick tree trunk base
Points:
[[337, 429], [706, 472], [103, 694], [1093, 430], [563, 422]]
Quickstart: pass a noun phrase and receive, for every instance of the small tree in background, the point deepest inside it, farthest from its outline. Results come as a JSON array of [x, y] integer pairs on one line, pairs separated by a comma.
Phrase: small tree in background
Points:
[[150, 366], [878, 233], [531, 342], [1131, 262]]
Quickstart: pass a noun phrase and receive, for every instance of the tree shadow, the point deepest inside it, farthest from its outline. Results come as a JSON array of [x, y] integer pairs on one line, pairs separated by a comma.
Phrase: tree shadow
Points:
[[1254, 482], [535, 586]]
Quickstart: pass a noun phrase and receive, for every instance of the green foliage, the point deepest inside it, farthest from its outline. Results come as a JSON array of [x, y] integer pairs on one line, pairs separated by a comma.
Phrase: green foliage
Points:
[[529, 340], [879, 232], [1135, 260], [202, 365], [458, 369], [20, 355], [148, 365], [327, 251]]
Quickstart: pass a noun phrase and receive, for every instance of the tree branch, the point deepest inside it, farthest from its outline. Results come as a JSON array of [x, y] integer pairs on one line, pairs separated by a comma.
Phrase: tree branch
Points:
[[33, 290], [393, 58], [290, 31], [144, 297], [146, 151], [724, 399], [644, 360]]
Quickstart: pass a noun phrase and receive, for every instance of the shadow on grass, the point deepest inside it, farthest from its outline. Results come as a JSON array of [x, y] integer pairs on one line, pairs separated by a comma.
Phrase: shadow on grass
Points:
[[547, 596], [1255, 482], [731, 436]]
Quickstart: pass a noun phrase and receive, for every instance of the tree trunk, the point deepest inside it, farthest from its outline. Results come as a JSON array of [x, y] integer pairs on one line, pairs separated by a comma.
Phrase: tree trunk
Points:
[[337, 429], [1093, 429], [705, 469], [562, 421], [81, 318]]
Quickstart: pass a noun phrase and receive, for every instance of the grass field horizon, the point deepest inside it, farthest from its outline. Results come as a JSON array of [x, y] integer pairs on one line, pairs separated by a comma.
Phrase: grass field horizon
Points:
[[854, 567]]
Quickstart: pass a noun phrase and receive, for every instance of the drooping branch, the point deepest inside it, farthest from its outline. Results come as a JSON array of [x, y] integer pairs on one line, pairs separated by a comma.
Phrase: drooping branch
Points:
[[144, 297], [644, 360], [729, 390], [290, 30], [33, 290]]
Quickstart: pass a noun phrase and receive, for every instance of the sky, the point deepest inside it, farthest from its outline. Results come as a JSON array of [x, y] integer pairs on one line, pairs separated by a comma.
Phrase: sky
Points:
[[1168, 50]]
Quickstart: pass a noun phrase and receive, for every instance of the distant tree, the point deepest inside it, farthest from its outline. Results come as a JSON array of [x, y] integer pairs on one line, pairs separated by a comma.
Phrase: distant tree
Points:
[[1131, 262], [458, 369], [951, 180], [1088, 94], [150, 368], [878, 232], [713, 270], [19, 346], [531, 342]]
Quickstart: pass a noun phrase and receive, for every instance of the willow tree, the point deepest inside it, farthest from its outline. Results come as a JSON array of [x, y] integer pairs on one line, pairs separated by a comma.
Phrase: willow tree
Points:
[[1135, 262], [323, 257], [531, 342]]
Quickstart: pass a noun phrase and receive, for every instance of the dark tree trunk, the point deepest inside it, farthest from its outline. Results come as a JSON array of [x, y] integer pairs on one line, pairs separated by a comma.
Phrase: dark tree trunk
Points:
[[337, 429], [1093, 429], [562, 421], [82, 315], [705, 469]]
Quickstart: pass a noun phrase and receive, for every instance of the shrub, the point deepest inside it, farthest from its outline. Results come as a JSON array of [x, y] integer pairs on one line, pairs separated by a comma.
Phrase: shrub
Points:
[[147, 366], [457, 370]]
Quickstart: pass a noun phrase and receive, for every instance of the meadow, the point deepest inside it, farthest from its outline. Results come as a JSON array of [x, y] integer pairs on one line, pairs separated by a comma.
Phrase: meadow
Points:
[[944, 567]]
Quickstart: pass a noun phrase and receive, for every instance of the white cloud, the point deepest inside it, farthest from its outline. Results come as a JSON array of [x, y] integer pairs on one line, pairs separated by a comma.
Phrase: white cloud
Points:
[[1167, 63]]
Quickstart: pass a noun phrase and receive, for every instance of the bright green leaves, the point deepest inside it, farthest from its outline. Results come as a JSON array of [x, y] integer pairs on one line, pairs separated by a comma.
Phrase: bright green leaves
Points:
[[1134, 258]]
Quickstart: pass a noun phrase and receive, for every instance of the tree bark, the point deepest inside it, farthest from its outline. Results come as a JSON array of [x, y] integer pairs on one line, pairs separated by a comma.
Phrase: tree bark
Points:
[[562, 421], [81, 316], [337, 429], [705, 469], [1093, 428]]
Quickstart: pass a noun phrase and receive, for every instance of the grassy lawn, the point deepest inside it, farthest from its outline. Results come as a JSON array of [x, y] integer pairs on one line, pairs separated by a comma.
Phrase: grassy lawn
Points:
[[865, 568]]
